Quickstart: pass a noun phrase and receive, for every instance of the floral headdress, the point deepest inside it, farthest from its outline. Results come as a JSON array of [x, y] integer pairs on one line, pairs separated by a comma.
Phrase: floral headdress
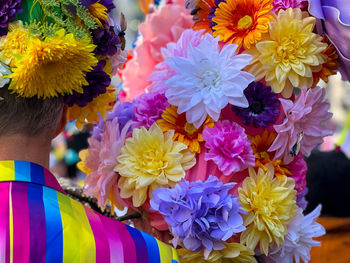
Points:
[[209, 144], [62, 48]]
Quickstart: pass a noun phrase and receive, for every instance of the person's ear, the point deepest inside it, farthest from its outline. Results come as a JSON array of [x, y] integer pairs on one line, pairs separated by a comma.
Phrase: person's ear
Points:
[[63, 121]]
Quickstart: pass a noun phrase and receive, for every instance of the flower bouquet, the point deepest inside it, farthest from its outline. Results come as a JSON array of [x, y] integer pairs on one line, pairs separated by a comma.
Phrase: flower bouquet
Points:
[[219, 106]]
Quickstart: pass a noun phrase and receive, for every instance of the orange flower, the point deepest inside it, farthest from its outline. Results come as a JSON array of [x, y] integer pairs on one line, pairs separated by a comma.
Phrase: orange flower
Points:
[[184, 132], [201, 17], [330, 66], [242, 22], [263, 158]]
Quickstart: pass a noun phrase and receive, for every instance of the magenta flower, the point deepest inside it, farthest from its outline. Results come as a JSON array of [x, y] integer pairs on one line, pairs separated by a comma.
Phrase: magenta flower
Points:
[[149, 108], [304, 122], [285, 4], [229, 147], [298, 168]]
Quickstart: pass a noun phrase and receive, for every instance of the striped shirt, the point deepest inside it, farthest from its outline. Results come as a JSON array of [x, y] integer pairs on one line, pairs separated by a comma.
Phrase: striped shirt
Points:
[[40, 223]]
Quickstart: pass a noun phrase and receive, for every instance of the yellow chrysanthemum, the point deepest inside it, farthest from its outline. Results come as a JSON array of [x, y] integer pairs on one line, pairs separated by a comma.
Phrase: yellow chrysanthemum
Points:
[[234, 252], [263, 158], [54, 66], [184, 132], [14, 43], [100, 13], [289, 55], [102, 104], [242, 22], [149, 160], [271, 204]]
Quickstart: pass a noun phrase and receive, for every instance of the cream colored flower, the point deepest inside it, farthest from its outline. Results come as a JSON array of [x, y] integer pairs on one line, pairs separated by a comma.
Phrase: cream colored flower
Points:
[[289, 54], [271, 204], [149, 160], [234, 252]]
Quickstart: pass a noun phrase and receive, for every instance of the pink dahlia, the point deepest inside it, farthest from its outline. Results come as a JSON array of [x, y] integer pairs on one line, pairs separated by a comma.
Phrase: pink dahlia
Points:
[[102, 158], [285, 4], [229, 147], [148, 108], [160, 28], [163, 71], [298, 168], [304, 124]]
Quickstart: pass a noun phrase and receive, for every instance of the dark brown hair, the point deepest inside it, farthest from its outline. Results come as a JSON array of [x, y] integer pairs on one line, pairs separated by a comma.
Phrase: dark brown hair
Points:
[[28, 116]]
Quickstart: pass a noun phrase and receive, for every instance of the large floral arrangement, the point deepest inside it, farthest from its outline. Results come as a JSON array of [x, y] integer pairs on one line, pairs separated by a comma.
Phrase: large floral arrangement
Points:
[[66, 49], [211, 153]]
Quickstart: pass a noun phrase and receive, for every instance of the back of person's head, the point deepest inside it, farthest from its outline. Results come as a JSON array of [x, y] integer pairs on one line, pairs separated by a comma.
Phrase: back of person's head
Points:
[[29, 117]]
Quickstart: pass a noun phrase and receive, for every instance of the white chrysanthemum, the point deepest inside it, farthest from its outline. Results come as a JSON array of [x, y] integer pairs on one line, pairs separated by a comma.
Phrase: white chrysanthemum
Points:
[[299, 240], [207, 80], [4, 71]]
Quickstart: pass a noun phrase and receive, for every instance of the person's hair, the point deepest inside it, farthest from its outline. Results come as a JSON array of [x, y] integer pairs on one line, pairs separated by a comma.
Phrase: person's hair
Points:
[[28, 116]]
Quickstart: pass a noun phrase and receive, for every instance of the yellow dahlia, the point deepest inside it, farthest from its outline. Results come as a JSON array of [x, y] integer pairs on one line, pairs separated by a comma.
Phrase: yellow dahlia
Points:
[[330, 66], [263, 159], [54, 66], [271, 204], [99, 106], [149, 160], [234, 252], [289, 55], [14, 43], [242, 22], [99, 12], [184, 132]]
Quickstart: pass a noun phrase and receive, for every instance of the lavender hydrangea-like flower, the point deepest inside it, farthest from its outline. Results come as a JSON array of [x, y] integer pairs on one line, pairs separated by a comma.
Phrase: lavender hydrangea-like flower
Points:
[[149, 108], [98, 82], [8, 10], [200, 214], [263, 106]]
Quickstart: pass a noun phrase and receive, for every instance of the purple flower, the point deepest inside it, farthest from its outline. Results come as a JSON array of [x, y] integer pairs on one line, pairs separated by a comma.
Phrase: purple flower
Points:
[[122, 110], [98, 82], [229, 147], [301, 201], [200, 214], [263, 106], [285, 4], [149, 108], [107, 41], [8, 10], [107, 3]]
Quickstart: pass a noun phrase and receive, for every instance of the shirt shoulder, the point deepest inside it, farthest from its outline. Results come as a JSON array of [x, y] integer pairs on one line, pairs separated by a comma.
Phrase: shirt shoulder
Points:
[[55, 228]]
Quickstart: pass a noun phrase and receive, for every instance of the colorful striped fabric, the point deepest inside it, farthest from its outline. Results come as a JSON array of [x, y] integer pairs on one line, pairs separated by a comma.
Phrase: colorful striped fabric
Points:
[[39, 223]]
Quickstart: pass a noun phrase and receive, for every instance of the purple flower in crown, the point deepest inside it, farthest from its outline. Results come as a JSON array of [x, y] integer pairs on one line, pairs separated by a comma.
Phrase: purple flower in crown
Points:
[[285, 4], [149, 108], [263, 106], [201, 215], [8, 11], [107, 3], [98, 81], [107, 41]]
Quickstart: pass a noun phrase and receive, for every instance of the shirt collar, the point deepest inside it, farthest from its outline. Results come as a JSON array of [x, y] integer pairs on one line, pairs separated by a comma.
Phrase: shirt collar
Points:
[[23, 171]]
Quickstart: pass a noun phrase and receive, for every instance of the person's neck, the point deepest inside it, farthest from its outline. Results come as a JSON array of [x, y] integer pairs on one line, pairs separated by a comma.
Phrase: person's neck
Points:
[[31, 149]]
